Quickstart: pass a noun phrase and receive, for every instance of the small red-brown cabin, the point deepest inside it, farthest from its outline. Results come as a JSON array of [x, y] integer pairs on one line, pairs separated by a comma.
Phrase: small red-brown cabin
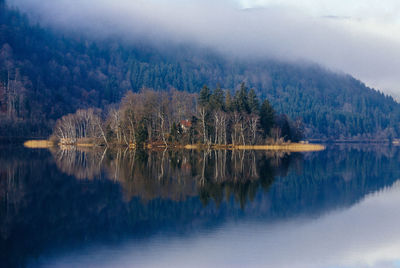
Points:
[[185, 125]]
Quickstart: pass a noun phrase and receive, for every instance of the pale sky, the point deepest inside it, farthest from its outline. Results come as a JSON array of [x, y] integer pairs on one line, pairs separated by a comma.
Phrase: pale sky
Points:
[[359, 37], [385, 10], [377, 18]]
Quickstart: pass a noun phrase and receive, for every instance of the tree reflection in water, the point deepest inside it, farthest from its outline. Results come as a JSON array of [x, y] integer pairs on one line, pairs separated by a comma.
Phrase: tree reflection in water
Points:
[[64, 199], [83, 163], [178, 174]]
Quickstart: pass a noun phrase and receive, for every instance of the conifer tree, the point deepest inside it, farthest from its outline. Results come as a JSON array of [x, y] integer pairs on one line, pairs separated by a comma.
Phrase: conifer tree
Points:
[[204, 96], [253, 102], [204, 101], [228, 101], [217, 99], [241, 100], [267, 115]]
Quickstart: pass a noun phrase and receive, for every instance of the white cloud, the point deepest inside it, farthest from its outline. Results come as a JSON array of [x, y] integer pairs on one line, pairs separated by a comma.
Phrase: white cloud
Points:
[[385, 10], [360, 37]]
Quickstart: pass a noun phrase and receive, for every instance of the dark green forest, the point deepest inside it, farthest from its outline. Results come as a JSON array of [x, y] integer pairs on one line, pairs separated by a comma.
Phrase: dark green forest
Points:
[[46, 74]]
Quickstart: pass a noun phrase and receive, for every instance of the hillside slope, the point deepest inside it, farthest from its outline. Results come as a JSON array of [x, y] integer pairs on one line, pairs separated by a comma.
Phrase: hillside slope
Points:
[[45, 74]]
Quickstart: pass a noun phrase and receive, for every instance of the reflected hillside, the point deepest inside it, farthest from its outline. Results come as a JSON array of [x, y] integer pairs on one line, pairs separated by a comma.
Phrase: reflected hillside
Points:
[[297, 183], [54, 200], [337, 178]]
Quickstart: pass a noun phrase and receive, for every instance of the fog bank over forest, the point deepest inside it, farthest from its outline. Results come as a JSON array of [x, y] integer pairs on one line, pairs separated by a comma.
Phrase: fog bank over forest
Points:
[[362, 47]]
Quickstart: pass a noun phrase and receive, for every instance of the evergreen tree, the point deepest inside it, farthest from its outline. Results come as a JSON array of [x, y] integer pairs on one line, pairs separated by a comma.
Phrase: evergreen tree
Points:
[[217, 99], [204, 113], [141, 135], [204, 96], [228, 101], [241, 100], [193, 130], [267, 115], [284, 124], [253, 102]]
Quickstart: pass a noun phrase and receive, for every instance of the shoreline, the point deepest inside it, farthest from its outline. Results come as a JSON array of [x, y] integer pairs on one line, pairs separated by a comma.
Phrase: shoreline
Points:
[[39, 144], [289, 147]]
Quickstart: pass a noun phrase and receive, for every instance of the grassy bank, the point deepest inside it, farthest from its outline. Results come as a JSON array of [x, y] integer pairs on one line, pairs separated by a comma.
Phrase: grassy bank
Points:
[[289, 147], [292, 147], [39, 144], [48, 144]]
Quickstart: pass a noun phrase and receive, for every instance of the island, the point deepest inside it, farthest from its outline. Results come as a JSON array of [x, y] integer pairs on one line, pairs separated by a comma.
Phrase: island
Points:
[[215, 119]]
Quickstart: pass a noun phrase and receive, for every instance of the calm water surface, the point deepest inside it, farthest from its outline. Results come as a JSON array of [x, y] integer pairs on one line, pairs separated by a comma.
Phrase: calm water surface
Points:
[[119, 208]]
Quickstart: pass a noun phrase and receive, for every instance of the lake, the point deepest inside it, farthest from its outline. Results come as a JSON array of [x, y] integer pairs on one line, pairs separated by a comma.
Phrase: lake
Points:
[[121, 208]]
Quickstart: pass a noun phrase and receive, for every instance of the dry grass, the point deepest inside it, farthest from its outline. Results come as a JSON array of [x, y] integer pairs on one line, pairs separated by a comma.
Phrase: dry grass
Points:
[[290, 147], [37, 144], [192, 146], [287, 147]]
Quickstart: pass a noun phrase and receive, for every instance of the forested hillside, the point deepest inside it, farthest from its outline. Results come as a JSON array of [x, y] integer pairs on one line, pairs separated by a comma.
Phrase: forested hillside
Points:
[[45, 74]]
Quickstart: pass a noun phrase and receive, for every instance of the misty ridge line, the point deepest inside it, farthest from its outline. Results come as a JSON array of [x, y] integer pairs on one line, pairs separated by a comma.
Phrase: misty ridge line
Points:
[[276, 32], [56, 73]]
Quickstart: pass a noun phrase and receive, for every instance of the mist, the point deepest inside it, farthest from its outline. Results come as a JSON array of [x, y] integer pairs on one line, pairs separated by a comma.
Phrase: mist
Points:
[[366, 48]]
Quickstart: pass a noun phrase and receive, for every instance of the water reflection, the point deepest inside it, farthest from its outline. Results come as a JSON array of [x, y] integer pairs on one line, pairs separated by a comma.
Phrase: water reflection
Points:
[[364, 236], [76, 202], [83, 163], [176, 175]]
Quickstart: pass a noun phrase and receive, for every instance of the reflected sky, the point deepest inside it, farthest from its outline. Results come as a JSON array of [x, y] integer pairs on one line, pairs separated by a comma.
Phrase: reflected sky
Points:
[[120, 208], [364, 235]]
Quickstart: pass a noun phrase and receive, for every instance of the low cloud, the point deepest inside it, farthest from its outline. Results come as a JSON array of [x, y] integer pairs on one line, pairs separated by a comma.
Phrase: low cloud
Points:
[[363, 46]]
